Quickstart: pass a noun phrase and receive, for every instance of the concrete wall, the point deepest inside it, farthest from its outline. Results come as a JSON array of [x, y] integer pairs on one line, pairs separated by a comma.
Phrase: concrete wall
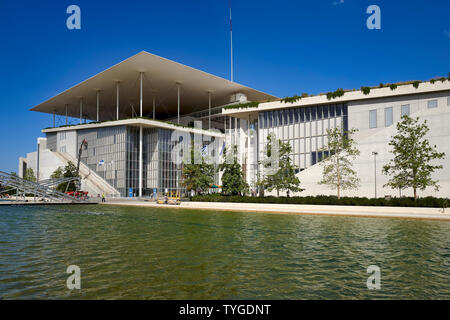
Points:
[[377, 139]]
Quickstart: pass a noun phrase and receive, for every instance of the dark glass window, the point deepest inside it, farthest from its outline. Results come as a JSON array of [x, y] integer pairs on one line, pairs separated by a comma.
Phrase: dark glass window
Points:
[[270, 119], [319, 112], [291, 116], [325, 112], [313, 158], [338, 110], [313, 113], [296, 116], [345, 123], [275, 118], [345, 109], [319, 155], [332, 110], [266, 122], [302, 114], [308, 113]]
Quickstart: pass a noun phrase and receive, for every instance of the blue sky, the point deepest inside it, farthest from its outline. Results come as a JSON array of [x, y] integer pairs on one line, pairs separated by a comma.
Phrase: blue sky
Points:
[[280, 47]]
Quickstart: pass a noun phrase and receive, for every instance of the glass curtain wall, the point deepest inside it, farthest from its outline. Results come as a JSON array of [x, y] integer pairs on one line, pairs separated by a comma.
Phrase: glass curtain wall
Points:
[[305, 128]]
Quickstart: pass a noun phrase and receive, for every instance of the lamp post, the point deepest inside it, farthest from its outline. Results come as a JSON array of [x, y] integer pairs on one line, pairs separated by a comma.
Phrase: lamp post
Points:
[[374, 153]]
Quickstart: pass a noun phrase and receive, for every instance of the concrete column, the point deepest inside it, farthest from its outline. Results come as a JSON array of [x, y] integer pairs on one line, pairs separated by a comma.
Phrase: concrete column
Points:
[[81, 110], [66, 115], [37, 160], [117, 99], [140, 98], [178, 96], [140, 161], [209, 110], [98, 105], [154, 109]]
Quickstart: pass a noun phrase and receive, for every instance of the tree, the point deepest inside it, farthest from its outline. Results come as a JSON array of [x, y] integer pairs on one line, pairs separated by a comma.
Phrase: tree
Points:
[[29, 175], [70, 171], [281, 172], [233, 182], [58, 173], [198, 177], [337, 166], [411, 167]]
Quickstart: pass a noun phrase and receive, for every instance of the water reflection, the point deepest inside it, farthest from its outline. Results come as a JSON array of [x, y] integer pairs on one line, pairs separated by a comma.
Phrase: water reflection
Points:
[[146, 253]]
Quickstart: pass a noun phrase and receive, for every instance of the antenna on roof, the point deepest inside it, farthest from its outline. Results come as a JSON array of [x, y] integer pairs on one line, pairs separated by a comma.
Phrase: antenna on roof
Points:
[[231, 41]]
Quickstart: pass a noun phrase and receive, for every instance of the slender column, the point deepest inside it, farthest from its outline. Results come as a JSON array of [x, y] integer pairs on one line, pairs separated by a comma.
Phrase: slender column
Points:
[[209, 110], [66, 115], [117, 99], [154, 107], [140, 102], [37, 160], [98, 105], [178, 93], [81, 110], [140, 161]]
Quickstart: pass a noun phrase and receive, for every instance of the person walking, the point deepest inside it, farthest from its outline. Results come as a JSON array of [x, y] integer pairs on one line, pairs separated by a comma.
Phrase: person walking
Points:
[[103, 197]]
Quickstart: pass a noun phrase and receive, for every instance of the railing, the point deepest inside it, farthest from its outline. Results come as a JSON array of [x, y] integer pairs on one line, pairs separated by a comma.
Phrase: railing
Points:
[[41, 190]]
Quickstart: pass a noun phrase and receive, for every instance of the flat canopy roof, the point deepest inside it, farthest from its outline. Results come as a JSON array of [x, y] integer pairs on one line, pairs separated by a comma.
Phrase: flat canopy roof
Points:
[[159, 80]]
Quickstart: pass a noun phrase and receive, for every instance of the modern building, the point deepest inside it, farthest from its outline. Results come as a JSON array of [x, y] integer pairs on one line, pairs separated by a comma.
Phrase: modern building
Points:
[[134, 116], [304, 123], [137, 114]]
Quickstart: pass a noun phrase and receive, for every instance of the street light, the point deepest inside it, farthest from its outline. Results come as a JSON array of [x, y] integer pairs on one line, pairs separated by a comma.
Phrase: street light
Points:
[[374, 153]]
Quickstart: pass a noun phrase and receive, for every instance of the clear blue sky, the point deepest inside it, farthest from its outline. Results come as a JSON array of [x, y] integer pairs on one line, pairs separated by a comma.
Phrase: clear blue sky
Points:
[[281, 47]]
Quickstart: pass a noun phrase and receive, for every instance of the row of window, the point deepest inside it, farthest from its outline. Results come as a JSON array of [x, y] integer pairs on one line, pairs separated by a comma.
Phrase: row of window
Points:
[[270, 119], [404, 110]]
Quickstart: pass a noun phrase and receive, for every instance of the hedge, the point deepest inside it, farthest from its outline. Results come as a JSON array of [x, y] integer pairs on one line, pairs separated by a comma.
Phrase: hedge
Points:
[[430, 202]]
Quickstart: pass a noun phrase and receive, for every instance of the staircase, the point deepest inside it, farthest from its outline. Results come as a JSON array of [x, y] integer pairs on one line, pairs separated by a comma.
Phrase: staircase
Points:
[[93, 183]]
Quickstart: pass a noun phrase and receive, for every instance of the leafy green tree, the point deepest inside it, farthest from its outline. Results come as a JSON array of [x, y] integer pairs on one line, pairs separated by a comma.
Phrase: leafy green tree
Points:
[[29, 175], [337, 164], [70, 171], [58, 173], [411, 166], [233, 182], [197, 176], [279, 174]]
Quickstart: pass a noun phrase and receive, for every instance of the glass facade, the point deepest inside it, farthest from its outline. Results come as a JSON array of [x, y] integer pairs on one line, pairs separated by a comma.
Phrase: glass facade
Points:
[[305, 128], [118, 147]]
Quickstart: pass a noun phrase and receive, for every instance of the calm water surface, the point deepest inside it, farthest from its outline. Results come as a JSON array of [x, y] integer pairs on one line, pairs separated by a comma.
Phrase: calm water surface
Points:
[[146, 253]]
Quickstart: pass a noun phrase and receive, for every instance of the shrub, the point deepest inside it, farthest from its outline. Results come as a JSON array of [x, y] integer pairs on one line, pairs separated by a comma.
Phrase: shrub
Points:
[[291, 99], [442, 79], [381, 85], [365, 90], [336, 94], [393, 86], [327, 200], [416, 84], [432, 81]]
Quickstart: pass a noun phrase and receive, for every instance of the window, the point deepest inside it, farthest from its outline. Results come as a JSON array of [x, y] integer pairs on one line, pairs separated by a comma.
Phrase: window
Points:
[[325, 112], [313, 113], [405, 110], [308, 114], [372, 119], [448, 101], [432, 104], [388, 117]]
